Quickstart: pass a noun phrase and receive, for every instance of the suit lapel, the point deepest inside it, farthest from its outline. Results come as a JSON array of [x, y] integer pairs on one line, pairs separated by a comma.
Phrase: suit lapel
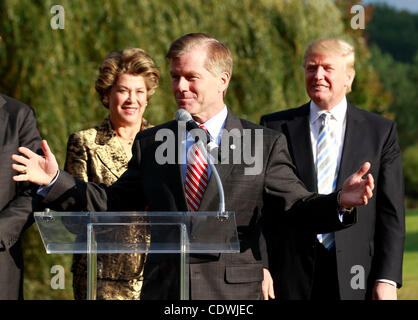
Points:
[[178, 174], [354, 133], [108, 149], [107, 155], [172, 173], [4, 116], [224, 170], [300, 147]]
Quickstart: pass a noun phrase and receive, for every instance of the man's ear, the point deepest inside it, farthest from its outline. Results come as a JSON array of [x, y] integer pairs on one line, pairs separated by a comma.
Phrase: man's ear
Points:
[[350, 74], [224, 80]]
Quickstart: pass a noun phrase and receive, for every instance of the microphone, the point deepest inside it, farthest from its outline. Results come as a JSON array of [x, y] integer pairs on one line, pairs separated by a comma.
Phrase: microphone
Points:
[[191, 125]]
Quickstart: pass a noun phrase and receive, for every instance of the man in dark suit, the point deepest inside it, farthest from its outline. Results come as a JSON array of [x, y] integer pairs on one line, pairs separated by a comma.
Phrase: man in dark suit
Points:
[[359, 262], [201, 68], [17, 128]]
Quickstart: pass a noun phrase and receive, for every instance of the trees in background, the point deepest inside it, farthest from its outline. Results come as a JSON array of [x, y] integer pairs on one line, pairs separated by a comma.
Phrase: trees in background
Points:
[[54, 70], [391, 34], [394, 32]]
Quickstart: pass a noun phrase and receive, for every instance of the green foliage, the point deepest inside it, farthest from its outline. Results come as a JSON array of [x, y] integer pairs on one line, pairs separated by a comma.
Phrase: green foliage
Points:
[[54, 70], [410, 167], [368, 92], [395, 57], [37, 270], [400, 79], [409, 290], [394, 31]]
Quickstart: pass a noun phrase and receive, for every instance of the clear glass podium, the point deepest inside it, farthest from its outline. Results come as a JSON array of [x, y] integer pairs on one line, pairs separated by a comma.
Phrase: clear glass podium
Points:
[[155, 234]]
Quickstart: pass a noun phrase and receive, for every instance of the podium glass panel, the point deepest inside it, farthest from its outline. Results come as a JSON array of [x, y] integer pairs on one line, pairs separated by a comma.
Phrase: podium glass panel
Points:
[[159, 236]]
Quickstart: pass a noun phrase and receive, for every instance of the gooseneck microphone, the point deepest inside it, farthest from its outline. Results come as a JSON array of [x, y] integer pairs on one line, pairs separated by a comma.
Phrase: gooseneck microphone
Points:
[[192, 127]]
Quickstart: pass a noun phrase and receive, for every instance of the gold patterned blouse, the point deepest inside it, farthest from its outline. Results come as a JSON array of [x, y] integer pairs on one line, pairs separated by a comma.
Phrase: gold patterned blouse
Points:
[[97, 155]]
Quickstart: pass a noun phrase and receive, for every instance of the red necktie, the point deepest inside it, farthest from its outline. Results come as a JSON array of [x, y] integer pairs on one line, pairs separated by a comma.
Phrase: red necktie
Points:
[[196, 176]]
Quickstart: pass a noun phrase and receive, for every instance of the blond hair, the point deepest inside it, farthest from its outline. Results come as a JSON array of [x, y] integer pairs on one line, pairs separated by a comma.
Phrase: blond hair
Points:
[[219, 57], [332, 46]]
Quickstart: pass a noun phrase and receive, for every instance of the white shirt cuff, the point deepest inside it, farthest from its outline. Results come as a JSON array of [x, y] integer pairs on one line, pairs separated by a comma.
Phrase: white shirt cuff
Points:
[[43, 190], [393, 283]]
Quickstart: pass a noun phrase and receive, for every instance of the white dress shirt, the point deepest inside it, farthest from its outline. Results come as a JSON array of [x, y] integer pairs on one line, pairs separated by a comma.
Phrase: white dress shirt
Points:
[[337, 125], [215, 127], [338, 122]]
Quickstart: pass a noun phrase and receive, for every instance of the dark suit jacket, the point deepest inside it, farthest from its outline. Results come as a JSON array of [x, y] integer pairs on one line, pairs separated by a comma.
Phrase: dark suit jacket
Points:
[[96, 155], [224, 276], [376, 242], [17, 128]]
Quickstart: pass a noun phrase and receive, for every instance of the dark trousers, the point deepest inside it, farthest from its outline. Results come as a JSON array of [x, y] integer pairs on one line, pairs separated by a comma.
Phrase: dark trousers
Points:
[[325, 283]]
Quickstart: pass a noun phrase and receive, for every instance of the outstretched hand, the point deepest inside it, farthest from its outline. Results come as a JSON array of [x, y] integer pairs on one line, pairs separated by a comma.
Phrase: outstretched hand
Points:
[[35, 168], [357, 190], [267, 285]]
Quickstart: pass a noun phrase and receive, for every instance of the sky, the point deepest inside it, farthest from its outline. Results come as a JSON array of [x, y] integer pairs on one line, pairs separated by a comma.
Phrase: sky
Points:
[[409, 5]]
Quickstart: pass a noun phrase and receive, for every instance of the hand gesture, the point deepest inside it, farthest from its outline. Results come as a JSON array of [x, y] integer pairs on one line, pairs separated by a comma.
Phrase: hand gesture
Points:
[[267, 285], [356, 190], [35, 168], [384, 291]]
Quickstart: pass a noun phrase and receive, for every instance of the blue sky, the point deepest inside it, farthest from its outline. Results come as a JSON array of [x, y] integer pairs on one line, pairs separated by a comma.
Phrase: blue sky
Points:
[[410, 5]]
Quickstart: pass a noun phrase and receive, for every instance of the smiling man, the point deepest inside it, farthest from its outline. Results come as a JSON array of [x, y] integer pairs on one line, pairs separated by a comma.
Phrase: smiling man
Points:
[[328, 76], [327, 138], [196, 87]]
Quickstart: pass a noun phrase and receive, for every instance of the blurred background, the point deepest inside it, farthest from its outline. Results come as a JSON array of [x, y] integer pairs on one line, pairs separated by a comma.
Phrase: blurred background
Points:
[[54, 72]]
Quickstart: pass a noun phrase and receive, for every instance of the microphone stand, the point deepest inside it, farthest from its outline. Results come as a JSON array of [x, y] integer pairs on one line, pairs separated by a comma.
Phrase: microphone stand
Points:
[[222, 212], [183, 115]]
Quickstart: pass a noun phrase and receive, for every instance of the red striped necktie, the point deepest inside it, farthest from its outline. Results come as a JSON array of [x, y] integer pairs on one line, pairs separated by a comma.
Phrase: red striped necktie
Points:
[[196, 176]]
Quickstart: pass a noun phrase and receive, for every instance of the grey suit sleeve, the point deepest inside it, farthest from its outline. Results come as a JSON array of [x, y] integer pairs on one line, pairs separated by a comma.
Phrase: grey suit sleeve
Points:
[[72, 194], [17, 215], [390, 213], [287, 195]]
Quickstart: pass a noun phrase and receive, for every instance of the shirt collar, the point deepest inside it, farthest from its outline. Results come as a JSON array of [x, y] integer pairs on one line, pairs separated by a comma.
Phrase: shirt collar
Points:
[[215, 124], [338, 112]]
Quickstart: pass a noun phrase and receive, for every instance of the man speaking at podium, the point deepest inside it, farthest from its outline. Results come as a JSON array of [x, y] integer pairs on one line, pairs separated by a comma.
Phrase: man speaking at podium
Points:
[[201, 69]]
